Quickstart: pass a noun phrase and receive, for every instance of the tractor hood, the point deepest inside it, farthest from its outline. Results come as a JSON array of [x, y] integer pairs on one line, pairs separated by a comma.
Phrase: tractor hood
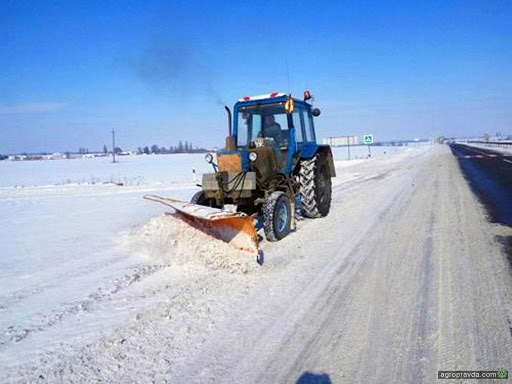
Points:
[[265, 164], [235, 161]]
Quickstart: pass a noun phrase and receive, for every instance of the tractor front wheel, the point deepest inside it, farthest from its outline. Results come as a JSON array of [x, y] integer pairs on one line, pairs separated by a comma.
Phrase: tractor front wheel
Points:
[[277, 216], [200, 199]]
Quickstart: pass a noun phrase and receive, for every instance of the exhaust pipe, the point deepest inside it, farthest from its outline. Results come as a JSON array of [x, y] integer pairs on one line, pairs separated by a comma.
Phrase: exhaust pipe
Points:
[[229, 119], [230, 140]]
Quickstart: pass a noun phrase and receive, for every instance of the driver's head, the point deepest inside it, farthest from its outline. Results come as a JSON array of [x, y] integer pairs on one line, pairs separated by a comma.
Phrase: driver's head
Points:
[[269, 120]]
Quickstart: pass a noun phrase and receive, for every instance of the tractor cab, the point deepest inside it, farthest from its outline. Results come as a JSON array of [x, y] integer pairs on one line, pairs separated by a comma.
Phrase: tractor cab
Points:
[[270, 133], [273, 123]]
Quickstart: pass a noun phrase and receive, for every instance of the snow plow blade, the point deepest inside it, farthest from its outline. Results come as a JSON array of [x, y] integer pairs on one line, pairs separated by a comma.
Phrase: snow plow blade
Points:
[[235, 228]]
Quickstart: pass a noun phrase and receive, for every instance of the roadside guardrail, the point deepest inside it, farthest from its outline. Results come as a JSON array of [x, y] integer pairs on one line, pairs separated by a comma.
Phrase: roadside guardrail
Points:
[[503, 143]]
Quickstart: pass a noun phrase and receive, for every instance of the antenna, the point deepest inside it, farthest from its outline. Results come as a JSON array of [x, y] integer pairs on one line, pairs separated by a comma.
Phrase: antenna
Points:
[[288, 76]]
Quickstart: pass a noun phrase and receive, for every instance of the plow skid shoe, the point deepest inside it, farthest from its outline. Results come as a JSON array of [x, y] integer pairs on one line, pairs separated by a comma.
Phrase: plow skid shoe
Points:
[[235, 228]]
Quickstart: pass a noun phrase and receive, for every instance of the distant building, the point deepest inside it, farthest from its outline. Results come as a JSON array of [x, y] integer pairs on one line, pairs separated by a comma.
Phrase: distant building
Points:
[[18, 157], [340, 141], [56, 156]]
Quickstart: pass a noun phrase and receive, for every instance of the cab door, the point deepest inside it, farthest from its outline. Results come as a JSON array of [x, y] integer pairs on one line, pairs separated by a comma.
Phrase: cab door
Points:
[[298, 124], [295, 121]]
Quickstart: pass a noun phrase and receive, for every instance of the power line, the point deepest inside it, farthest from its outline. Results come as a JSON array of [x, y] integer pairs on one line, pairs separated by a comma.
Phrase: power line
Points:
[[113, 146]]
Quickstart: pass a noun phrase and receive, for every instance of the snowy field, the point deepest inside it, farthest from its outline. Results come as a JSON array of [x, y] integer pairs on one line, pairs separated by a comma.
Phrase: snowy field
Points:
[[99, 284], [151, 170], [64, 239]]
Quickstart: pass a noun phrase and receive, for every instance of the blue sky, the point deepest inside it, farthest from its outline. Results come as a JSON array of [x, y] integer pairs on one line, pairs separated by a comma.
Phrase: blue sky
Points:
[[158, 72]]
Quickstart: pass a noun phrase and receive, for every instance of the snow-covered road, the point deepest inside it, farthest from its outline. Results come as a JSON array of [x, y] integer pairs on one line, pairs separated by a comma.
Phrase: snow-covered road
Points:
[[402, 279]]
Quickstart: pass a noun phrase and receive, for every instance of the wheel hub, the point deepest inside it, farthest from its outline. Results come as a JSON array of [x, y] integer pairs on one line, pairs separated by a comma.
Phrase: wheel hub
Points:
[[282, 216]]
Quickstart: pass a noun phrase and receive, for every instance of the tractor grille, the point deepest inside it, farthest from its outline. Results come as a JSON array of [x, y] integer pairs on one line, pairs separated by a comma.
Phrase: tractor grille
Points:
[[230, 163]]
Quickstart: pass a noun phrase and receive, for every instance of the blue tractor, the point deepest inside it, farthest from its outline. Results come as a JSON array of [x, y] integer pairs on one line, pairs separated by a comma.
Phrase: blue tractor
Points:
[[272, 164]]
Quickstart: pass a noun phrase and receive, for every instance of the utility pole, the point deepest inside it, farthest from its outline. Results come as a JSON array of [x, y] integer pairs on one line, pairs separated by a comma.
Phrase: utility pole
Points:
[[113, 146], [348, 146]]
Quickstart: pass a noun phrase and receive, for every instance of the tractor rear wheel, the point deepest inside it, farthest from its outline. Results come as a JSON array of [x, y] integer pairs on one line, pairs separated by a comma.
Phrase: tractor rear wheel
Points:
[[277, 216], [315, 187]]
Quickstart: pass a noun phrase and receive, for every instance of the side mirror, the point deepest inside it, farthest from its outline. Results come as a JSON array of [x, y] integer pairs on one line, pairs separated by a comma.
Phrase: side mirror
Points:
[[315, 112]]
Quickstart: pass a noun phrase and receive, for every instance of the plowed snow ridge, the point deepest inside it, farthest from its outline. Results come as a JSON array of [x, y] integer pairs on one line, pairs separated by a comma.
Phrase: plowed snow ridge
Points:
[[168, 240]]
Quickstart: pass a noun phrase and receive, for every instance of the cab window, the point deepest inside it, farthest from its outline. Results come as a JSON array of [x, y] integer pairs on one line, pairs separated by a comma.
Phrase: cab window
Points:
[[262, 121], [297, 124], [308, 126]]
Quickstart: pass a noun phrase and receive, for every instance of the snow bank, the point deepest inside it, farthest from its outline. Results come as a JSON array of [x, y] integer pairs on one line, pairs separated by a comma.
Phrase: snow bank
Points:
[[167, 239]]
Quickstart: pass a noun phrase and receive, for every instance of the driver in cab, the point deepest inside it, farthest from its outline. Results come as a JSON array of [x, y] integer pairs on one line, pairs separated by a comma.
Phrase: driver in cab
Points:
[[272, 129]]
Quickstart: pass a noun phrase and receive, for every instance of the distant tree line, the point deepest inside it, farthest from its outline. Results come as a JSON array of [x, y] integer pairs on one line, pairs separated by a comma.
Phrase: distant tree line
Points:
[[180, 148], [117, 150]]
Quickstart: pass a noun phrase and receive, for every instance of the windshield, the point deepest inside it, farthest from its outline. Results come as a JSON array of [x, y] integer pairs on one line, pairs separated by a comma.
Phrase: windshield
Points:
[[268, 123]]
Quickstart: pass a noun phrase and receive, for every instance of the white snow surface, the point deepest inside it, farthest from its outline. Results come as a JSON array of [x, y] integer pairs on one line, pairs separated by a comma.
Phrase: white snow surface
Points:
[[71, 235], [155, 170], [90, 271]]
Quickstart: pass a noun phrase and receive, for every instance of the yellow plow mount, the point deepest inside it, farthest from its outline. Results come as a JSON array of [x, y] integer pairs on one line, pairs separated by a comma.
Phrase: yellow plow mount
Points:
[[235, 228]]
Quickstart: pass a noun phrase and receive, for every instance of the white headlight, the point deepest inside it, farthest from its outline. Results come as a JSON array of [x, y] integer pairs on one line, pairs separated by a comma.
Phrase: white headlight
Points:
[[208, 157], [253, 156]]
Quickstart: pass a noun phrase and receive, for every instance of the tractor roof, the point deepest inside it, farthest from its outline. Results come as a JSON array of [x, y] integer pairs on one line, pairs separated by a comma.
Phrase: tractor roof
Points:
[[267, 98], [262, 97]]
